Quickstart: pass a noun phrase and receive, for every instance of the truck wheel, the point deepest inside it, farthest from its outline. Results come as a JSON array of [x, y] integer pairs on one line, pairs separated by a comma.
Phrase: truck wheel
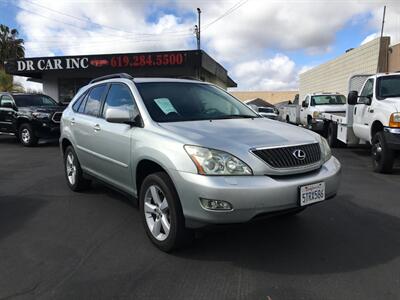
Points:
[[332, 135], [382, 156], [162, 212], [27, 136], [73, 171]]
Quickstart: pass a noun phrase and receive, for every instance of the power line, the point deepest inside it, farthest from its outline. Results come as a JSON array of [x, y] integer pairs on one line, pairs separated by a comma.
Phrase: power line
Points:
[[81, 27], [228, 12], [87, 20]]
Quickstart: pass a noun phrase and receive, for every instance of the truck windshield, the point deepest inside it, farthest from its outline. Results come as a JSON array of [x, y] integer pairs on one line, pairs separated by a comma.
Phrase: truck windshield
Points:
[[388, 86], [328, 100], [186, 101], [33, 100]]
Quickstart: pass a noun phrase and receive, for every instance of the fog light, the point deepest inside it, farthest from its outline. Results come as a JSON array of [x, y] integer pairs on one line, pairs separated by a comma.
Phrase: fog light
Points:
[[215, 204]]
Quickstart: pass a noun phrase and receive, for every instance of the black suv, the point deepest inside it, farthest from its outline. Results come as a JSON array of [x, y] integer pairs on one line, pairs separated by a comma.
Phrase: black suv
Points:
[[30, 117]]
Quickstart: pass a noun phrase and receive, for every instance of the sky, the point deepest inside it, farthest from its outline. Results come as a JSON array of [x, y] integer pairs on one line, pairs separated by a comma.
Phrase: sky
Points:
[[264, 44]]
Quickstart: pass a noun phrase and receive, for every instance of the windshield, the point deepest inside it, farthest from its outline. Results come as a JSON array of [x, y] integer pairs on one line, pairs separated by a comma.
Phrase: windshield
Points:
[[183, 101], [34, 100], [265, 110], [328, 100], [388, 86]]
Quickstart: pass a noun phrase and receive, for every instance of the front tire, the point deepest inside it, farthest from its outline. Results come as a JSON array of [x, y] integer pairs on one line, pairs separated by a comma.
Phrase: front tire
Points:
[[27, 136], [332, 135], [382, 156], [73, 171], [162, 212]]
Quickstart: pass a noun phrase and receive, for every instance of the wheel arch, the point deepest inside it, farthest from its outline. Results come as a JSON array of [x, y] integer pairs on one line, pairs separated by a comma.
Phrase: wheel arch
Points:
[[376, 127], [146, 167], [64, 144]]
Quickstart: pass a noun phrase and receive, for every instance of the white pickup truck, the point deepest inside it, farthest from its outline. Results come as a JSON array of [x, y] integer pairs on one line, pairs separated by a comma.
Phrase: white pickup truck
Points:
[[313, 105], [372, 116]]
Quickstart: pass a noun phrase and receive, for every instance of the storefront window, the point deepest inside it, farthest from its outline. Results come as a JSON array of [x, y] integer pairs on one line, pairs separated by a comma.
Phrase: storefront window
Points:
[[68, 87]]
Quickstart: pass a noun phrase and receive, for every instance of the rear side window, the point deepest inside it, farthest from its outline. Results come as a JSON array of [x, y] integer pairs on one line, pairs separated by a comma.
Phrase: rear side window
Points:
[[6, 99], [78, 102], [93, 101], [119, 96]]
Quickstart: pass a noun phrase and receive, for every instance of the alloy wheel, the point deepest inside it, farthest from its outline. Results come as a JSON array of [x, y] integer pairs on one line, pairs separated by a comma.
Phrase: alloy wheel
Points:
[[157, 213], [71, 168], [25, 135]]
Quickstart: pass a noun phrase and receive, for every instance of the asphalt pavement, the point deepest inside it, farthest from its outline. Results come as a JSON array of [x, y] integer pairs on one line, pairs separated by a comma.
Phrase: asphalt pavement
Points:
[[56, 244]]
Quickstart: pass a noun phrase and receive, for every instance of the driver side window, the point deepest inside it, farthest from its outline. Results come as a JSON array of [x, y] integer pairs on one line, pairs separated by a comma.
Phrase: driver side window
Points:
[[368, 89]]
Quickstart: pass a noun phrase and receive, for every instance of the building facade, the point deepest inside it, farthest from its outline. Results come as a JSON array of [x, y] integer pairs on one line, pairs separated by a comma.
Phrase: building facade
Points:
[[63, 76], [333, 76]]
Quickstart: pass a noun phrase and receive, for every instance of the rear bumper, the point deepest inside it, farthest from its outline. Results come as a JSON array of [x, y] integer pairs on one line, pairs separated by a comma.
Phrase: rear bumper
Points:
[[250, 196], [392, 137]]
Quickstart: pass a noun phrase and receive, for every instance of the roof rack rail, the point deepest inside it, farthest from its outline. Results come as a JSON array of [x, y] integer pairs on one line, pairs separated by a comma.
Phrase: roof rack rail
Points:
[[111, 76]]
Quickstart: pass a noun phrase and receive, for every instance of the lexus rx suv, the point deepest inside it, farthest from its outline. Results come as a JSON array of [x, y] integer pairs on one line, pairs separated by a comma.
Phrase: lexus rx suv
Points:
[[30, 117], [191, 154]]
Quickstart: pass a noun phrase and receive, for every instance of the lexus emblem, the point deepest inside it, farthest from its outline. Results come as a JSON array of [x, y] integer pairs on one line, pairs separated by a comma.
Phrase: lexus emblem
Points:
[[299, 154]]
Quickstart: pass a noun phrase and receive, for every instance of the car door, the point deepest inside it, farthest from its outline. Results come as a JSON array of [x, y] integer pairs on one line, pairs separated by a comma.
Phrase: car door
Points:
[[304, 110], [7, 114], [113, 140], [362, 115], [85, 124]]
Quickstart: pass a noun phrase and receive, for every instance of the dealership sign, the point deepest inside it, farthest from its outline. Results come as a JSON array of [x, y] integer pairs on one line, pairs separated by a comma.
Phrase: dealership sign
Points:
[[113, 61]]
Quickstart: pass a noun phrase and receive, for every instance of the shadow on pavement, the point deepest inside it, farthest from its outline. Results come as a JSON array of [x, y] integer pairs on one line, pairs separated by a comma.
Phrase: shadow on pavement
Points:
[[306, 244]]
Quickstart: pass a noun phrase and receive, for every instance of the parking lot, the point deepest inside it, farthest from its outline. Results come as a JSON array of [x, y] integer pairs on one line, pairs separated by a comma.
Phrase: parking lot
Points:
[[58, 244]]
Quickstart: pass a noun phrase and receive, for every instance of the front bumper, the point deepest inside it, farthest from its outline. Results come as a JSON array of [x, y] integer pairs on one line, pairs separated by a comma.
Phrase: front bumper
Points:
[[250, 196], [392, 137], [317, 125], [46, 129]]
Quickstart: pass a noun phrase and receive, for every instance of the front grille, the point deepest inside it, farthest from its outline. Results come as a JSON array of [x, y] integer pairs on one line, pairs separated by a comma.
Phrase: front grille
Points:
[[57, 117], [281, 158]]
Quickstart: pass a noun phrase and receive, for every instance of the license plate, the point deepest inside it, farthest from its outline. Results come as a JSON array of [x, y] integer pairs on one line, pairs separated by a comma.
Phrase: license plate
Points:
[[312, 193]]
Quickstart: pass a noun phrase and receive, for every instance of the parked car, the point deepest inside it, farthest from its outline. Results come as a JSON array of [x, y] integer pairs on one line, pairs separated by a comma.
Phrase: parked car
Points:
[[191, 154], [30, 117], [266, 112]]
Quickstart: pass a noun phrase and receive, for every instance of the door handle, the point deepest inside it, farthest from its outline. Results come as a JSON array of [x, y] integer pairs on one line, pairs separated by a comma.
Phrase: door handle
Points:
[[355, 110], [96, 127], [371, 111], [72, 122]]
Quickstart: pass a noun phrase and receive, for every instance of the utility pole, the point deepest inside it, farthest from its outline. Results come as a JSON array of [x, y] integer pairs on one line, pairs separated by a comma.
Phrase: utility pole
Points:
[[378, 68], [198, 29]]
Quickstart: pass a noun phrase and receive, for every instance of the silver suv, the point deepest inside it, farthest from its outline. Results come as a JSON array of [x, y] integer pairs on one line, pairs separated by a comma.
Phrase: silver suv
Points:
[[191, 154]]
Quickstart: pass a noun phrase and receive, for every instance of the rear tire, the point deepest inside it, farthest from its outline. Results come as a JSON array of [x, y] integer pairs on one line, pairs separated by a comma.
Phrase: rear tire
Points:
[[27, 136], [161, 213], [382, 156], [73, 171], [332, 135]]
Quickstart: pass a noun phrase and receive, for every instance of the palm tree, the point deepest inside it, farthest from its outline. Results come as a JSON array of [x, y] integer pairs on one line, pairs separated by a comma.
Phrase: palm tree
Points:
[[7, 83], [10, 45]]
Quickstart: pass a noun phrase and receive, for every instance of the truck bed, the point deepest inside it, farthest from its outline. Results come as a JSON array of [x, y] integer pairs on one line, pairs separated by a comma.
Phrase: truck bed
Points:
[[338, 117]]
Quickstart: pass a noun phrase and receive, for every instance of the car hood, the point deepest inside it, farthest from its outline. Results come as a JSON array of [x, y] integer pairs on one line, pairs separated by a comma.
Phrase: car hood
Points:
[[331, 108], [395, 102], [248, 133]]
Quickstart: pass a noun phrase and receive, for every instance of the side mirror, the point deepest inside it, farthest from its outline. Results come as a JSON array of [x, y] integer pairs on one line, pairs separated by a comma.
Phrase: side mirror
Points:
[[122, 116], [304, 104], [352, 98]]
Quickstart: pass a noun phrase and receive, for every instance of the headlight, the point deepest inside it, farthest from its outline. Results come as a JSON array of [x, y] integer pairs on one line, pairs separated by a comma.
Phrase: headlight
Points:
[[394, 120], [215, 162], [325, 149], [316, 114], [41, 115]]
